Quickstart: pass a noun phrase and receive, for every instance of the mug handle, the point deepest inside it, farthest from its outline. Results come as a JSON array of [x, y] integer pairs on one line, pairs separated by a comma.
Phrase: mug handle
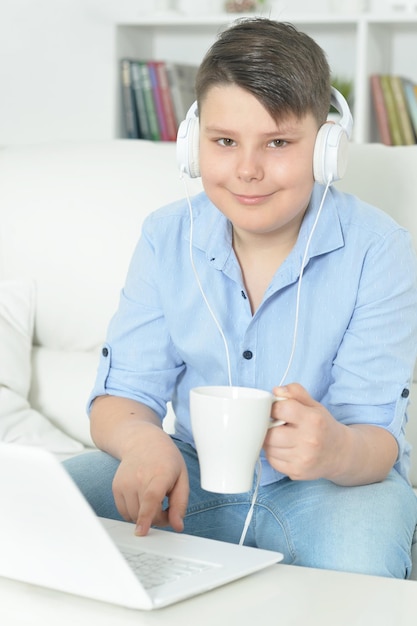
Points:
[[275, 423]]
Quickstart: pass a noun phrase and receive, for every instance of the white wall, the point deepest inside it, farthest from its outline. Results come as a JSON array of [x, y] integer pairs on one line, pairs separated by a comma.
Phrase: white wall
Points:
[[57, 66], [57, 75]]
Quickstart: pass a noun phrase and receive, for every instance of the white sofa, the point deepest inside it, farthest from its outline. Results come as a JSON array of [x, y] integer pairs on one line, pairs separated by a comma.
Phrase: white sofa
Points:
[[70, 214]]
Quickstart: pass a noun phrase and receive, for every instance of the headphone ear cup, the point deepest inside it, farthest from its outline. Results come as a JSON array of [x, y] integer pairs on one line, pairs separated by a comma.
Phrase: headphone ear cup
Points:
[[188, 139], [330, 153]]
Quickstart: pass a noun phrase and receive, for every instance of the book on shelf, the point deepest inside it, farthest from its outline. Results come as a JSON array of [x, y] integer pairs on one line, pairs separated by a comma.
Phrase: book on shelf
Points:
[[145, 81], [402, 110], [169, 123], [128, 101], [393, 119], [156, 97], [410, 90], [395, 107], [167, 102], [380, 109], [144, 127]]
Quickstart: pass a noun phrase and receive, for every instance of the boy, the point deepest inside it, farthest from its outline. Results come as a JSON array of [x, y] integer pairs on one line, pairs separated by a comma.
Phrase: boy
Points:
[[341, 348]]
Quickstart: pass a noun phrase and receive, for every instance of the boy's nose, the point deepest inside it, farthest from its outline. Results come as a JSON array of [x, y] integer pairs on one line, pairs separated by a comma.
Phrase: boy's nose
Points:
[[249, 167]]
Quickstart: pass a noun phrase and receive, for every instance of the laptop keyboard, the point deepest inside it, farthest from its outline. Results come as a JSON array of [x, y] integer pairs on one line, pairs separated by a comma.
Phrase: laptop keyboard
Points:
[[155, 569]]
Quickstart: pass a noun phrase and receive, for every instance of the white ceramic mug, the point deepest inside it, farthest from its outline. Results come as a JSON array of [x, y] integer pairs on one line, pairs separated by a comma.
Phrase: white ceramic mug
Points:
[[229, 426]]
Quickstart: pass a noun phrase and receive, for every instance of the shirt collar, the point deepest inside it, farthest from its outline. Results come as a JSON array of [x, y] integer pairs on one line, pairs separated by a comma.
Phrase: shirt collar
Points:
[[327, 237], [213, 231]]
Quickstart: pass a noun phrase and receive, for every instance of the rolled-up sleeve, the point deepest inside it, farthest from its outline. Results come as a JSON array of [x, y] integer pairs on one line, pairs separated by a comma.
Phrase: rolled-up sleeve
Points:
[[139, 360]]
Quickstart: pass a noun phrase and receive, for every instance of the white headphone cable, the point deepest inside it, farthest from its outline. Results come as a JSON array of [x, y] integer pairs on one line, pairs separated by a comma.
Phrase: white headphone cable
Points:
[[219, 328], [303, 264]]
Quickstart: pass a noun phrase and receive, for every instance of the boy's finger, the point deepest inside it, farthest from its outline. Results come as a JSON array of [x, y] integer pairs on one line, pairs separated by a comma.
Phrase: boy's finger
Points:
[[150, 506], [178, 501], [294, 391]]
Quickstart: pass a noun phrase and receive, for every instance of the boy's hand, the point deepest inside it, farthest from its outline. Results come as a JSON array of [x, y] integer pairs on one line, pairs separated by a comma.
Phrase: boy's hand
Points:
[[152, 468], [312, 444], [309, 445]]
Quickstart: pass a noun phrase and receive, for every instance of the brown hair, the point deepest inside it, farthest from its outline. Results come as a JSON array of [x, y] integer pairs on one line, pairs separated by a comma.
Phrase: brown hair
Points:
[[283, 68]]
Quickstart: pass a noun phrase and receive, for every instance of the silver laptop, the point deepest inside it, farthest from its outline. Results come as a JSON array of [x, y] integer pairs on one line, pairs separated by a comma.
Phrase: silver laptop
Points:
[[50, 536]]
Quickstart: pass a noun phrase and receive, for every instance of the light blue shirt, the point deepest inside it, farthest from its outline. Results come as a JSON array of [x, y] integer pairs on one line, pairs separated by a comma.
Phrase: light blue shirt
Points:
[[356, 340]]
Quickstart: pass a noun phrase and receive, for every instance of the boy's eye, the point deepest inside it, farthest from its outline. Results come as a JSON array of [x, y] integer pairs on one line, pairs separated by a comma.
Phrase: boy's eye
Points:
[[226, 141], [277, 143]]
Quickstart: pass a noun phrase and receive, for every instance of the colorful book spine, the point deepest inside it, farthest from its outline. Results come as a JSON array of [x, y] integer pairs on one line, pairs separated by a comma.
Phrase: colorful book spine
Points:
[[167, 104], [149, 101], [179, 107], [394, 123], [381, 113], [402, 110], [157, 97], [144, 130], [128, 101], [410, 90]]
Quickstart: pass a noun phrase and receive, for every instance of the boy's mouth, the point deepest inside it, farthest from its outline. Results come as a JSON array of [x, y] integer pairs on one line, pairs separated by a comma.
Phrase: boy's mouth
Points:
[[250, 200]]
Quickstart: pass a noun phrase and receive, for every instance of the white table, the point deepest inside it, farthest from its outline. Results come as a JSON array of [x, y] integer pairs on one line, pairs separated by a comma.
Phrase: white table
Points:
[[282, 594]]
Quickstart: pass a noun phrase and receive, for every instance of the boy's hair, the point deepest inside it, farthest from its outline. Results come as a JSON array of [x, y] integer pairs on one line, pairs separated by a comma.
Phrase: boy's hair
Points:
[[283, 68]]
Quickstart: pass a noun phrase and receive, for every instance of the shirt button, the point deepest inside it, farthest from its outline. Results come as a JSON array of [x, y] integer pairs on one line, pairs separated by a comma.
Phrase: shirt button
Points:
[[105, 352], [405, 393], [247, 355]]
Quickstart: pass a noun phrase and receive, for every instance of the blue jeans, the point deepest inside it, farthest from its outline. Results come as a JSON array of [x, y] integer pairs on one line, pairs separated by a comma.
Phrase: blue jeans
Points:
[[367, 529]]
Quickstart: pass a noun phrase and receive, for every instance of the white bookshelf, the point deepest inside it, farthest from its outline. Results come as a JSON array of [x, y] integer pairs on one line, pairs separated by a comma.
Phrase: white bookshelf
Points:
[[356, 46]]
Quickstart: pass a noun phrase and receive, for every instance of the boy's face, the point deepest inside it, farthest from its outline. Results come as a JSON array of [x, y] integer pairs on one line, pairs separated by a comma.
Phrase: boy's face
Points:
[[257, 171]]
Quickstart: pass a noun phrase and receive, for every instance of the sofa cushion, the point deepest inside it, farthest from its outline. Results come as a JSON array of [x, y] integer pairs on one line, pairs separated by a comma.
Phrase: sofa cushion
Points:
[[61, 383], [71, 216], [17, 300], [20, 423]]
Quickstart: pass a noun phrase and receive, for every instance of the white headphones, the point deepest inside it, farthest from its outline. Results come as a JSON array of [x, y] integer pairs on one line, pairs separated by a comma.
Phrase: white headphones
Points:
[[330, 150]]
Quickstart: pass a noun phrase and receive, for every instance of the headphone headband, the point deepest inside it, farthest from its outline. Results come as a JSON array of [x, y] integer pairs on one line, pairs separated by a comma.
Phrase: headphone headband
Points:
[[339, 103]]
